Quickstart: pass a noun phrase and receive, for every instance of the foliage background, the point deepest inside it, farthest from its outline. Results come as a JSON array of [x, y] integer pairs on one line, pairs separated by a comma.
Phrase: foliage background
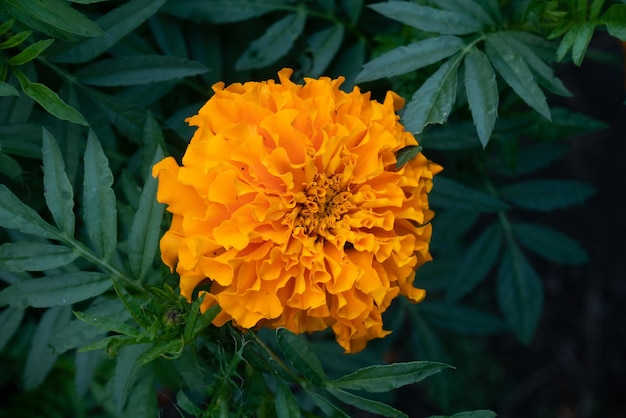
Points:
[[562, 355]]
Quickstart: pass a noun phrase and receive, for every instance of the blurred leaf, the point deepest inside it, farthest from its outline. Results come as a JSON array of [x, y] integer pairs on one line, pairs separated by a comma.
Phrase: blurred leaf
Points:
[[383, 378], [57, 188], [406, 154], [515, 71], [85, 364], [546, 195], [577, 39], [549, 243], [15, 40], [461, 319], [353, 9], [58, 290], [31, 52], [328, 408], [478, 260], [530, 158], [21, 139], [565, 123], [34, 256], [125, 374], [49, 100], [168, 35], [469, 414], [9, 167], [407, 58], [274, 43], [10, 320], [432, 102], [116, 24], [482, 93], [223, 11], [8, 90], [16, 215], [183, 401], [52, 17], [99, 211], [140, 69], [285, 403], [6, 26], [324, 46], [448, 193], [168, 349], [451, 223], [300, 355], [365, 404], [467, 8], [348, 64], [520, 293], [429, 19], [615, 20], [450, 136]]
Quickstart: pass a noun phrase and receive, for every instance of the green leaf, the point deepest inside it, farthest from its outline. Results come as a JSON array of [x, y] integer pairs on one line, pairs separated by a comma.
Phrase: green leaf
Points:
[[565, 124], [145, 230], [169, 349], [451, 136], [531, 158], [384, 378], [116, 24], [183, 401], [406, 154], [6, 26], [8, 90], [482, 93], [108, 324], [16, 215], [31, 52], [52, 17], [58, 290], [615, 20], [200, 322], [132, 305], [125, 373], [549, 243], [10, 320], [461, 319], [520, 293], [478, 260], [99, 211], [21, 139], [34, 256], [274, 43], [481, 413], [140, 69], [546, 195], [375, 407], [300, 355], [49, 100], [515, 71], [429, 19], [15, 40], [410, 57], [285, 403], [222, 11], [468, 8], [10, 167], [432, 102], [324, 46], [448, 193], [577, 38], [57, 188], [328, 408]]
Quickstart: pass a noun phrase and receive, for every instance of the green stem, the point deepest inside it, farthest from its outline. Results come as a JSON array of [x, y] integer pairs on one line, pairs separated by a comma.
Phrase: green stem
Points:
[[275, 357]]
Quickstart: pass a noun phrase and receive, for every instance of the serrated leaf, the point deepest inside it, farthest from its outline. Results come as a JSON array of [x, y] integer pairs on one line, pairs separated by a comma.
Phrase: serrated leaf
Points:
[[406, 154], [448, 193], [615, 20], [16, 215], [140, 69], [324, 46], [410, 57], [546, 195], [58, 290], [520, 293], [131, 304], [577, 38], [8, 90], [461, 319], [15, 40], [364, 404], [10, 320], [34, 256], [274, 43], [384, 378], [31, 52], [478, 260], [300, 355], [222, 11], [432, 102], [429, 19], [285, 403], [125, 374], [549, 243], [49, 100], [57, 188], [482, 93], [99, 211], [116, 24]]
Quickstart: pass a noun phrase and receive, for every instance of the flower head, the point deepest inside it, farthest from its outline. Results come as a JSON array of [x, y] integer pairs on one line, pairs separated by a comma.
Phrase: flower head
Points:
[[289, 207]]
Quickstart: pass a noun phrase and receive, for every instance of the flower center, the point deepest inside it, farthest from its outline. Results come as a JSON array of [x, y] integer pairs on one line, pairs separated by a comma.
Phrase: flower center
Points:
[[322, 205]]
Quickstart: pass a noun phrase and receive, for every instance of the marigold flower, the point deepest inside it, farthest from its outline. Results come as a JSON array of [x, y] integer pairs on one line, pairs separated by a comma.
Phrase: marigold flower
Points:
[[289, 207]]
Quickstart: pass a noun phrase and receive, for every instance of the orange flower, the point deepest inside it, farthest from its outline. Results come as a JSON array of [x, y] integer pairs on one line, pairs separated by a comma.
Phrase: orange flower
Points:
[[289, 208]]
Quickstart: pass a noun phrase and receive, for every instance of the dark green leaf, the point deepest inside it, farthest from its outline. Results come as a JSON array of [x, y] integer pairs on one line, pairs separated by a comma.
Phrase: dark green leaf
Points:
[[222, 11], [49, 100], [108, 324], [202, 321], [168, 349], [285, 403], [183, 401], [615, 21], [34, 256], [375, 407], [432, 102], [324, 46], [410, 57], [99, 211], [15, 40], [8, 90], [6, 26], [578, 39], [483, 413], [429, 19], [520, 293], [16, 215], [132, 304], [10, 320], [125, 374], [10, 168], [482, 93], [549, 243], [384, 378], [565, 123], [531, 158], [478, 260], [167, 34], [58, 290], [349, 63], [461, 319], [328, 408], [21, 139], [116, 24], [274, 43], [448, 193], [31, 52], [515, 71], [450, 136], [85, 364], [353, 9], [546, 195], [468, 8], [140, 69], [406, 154], [300, 355], [57, 188]]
